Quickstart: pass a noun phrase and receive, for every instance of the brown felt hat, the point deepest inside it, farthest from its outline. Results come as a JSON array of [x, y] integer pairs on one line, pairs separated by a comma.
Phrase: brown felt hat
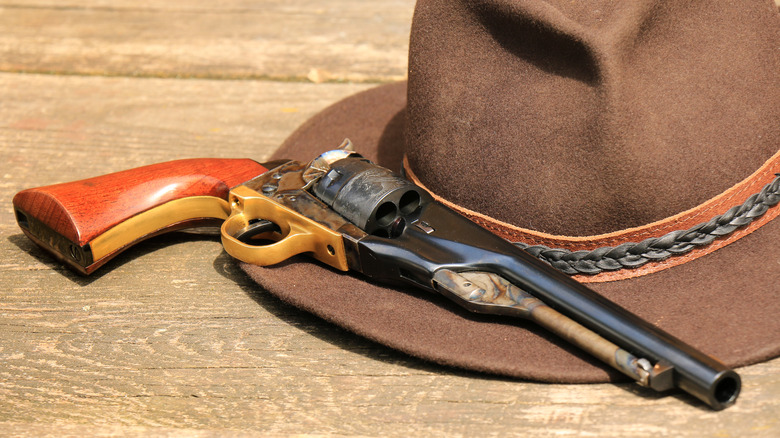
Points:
[[631, 144]]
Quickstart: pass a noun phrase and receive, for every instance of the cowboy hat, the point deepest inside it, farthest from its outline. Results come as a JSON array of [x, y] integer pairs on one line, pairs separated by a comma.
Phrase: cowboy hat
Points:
[[633, 145]]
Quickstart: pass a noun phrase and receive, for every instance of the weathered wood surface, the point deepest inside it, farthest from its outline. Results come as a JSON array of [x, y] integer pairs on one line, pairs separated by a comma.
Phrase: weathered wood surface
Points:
[[172, 339], [351, 40]]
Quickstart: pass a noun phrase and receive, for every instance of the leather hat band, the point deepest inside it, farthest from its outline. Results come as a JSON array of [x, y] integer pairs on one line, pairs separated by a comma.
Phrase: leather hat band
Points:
[[642, 250]]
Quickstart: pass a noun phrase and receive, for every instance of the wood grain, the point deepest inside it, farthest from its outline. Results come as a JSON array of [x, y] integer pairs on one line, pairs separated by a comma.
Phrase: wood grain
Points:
[[298, 40], [97, 125], [84, 209], [172, 339]]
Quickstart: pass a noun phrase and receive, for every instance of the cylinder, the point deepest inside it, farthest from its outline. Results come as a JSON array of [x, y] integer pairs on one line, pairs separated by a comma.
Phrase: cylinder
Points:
[[375, 199]]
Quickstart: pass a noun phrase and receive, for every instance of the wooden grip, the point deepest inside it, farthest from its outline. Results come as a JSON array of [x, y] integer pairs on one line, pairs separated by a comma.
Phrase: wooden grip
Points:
[[85, 223]]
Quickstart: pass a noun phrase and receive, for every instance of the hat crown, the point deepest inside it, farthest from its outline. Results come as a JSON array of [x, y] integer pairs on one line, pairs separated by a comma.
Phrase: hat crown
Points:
[[586, 118]]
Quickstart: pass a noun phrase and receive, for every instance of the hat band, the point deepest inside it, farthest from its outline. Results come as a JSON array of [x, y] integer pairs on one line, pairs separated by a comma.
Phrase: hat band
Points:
[[637, 251]]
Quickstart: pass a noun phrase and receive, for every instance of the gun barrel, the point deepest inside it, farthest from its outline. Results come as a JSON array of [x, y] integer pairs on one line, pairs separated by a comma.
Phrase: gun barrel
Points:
[[693, 371], [459, 245], [432, 237]]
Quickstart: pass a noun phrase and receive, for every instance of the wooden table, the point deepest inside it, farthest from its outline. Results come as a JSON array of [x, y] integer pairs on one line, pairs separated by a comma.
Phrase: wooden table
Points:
[[172, 338]]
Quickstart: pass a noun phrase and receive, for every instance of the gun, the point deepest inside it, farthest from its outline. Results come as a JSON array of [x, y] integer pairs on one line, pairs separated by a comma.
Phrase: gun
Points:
[[352, 214]]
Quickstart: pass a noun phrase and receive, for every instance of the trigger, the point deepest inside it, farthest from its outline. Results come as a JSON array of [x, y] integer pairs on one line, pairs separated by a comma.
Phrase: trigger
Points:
[[255, 228]]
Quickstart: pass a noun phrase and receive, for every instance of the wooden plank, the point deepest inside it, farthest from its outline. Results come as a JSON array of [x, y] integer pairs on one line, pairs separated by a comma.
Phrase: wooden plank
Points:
[[348, 40], [172, 339], [75, 118]]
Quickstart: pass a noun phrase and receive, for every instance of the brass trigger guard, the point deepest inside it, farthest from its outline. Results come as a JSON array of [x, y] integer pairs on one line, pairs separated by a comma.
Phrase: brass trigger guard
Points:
[[297, 233]]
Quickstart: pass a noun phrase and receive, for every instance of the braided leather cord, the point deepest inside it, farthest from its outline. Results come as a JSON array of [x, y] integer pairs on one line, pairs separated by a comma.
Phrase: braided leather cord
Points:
[[633, 255]]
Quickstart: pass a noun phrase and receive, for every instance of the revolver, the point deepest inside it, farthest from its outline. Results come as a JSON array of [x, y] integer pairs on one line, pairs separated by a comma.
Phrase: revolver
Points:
[[354, 215]]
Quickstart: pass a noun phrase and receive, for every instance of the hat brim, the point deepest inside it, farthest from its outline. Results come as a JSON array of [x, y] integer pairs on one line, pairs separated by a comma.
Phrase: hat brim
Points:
[[724, 303]]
